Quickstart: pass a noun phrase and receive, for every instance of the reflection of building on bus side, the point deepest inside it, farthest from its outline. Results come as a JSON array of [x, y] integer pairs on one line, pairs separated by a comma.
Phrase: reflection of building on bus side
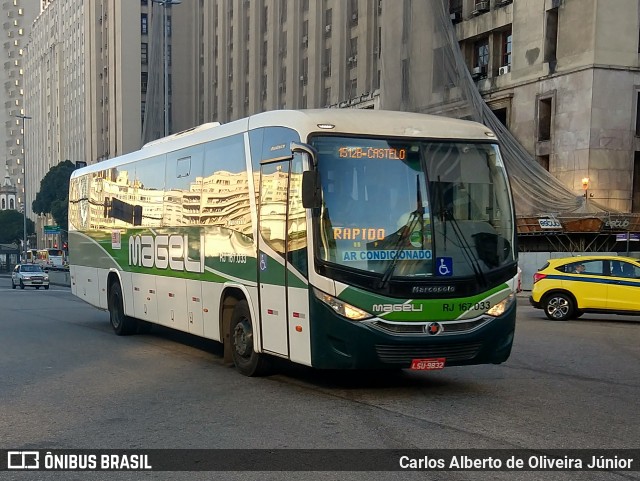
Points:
[[221, 199]]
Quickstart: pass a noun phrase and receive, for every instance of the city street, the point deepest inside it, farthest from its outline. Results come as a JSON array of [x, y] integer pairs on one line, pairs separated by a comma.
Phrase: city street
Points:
[[66, 381]]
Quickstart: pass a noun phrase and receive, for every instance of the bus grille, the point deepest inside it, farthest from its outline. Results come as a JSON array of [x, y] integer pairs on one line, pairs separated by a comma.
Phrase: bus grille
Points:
[[404, 354], [421, 329]]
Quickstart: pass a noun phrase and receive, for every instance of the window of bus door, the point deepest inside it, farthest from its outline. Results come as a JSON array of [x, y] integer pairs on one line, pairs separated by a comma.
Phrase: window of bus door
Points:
[[274, 186], [297, 220]]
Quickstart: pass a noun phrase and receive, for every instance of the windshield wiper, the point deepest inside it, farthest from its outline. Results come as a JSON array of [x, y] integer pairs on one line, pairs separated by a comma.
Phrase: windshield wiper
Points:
[[400, 245], [466, 248]]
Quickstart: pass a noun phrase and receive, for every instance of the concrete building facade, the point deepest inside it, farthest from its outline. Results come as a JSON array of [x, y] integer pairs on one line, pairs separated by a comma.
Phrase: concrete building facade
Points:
[[564, 76]]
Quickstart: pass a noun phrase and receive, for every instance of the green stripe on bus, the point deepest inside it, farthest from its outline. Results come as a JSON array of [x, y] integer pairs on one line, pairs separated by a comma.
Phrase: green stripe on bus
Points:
[[417, 310]]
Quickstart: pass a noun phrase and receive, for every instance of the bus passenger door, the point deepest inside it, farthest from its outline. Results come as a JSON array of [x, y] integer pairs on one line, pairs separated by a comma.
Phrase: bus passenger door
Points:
[[272, 262]]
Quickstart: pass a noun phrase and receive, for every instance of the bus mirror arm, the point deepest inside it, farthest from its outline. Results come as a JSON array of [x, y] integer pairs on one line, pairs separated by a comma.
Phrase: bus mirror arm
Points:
[[297, 147], [311, 197]]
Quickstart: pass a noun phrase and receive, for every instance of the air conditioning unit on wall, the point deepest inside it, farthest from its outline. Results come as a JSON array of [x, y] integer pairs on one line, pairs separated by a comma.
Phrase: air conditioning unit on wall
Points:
[[504, 70]]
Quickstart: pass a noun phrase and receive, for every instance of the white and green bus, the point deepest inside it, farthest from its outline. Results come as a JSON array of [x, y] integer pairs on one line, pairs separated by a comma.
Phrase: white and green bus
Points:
[[341, 239]]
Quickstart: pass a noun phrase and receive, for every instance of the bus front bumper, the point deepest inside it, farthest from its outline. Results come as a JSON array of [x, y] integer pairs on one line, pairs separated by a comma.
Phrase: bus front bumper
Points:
[[337, 343]]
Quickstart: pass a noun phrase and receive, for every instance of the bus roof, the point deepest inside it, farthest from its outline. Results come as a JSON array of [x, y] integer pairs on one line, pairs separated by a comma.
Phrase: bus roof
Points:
[[352, 121]]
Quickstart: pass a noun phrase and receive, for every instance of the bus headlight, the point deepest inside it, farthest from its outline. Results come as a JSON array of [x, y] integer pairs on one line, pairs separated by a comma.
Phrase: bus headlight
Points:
[[502, 306], [345, 310]]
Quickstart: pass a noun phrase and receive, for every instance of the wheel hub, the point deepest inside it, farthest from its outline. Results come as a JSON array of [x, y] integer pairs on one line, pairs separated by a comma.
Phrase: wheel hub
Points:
[[243, 338], [558, 307]]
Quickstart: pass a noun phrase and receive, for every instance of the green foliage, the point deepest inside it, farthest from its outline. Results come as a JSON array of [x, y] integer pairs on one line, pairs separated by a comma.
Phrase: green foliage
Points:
[[12, 227], [53, 197]]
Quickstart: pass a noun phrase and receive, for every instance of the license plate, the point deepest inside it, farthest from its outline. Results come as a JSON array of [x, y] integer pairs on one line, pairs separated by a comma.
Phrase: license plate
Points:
[[37, 282], [432, 364]]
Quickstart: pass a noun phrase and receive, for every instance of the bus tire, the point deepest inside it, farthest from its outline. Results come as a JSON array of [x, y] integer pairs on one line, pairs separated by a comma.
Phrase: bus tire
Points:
[[122, 325], [246, 360]]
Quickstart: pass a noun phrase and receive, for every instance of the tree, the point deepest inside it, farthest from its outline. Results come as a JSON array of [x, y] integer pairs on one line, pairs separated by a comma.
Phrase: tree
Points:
[[12, 228], [53, 197]]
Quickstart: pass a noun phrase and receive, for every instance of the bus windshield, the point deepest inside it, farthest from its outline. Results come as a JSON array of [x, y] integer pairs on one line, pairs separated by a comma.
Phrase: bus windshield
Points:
[[413, 208]]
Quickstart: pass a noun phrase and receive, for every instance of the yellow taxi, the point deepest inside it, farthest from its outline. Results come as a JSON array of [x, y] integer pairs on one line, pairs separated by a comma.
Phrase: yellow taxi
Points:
[[568, 287]]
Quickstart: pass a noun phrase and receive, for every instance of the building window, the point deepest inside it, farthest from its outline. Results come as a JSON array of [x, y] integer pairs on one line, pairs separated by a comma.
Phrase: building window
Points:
[[168, 25], [144, 80], [328, 16], [501, 115], [635, 193], [543, 160], [144, 53], [326, 68], [144, 25], [637, 113], [406, 20], [265, 18], [304, 70], [326, 97], [481, 53], [507, 39], [545, 113], [551, 38], [353, 88], [405, 80], [353, 11]]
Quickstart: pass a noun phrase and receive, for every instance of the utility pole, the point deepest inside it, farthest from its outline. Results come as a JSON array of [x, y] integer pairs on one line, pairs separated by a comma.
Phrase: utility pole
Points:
[[24, 187], [166, 4]]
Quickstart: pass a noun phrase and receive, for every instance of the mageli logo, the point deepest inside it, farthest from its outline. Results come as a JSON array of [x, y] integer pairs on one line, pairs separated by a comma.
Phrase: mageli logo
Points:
[[164, 252], [397, 308]]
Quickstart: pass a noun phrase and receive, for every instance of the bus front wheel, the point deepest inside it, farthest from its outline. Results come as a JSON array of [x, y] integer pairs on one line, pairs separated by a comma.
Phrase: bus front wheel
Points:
[[122, 324], [246, 360]]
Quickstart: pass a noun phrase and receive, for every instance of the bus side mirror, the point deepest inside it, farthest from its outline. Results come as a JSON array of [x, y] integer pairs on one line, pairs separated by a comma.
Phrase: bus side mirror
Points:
[[311, 189]]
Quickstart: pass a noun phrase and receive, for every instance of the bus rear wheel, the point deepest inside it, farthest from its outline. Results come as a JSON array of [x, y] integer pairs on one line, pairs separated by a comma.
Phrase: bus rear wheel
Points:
[[246, 360], [122, 325]]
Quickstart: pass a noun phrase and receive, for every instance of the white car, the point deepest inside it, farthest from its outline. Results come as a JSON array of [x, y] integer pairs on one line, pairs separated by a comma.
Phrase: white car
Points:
[[30, 275]]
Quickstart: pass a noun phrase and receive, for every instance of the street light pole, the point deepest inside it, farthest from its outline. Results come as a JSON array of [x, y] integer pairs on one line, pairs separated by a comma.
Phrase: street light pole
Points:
[[24, 187], [165, 4], [585, 186]]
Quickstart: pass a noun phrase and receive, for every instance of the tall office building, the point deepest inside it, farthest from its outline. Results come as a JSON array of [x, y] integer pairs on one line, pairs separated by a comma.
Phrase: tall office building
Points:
[[569, 95], [86, 80], [17, 18]]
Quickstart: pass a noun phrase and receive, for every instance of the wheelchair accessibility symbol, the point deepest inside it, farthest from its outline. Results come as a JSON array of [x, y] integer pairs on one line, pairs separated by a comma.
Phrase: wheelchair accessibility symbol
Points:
[[444, 266], [263, 262]]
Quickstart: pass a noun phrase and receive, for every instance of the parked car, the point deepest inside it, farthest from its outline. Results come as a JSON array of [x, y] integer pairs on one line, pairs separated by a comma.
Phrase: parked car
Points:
[[32, 275], [568, 287]]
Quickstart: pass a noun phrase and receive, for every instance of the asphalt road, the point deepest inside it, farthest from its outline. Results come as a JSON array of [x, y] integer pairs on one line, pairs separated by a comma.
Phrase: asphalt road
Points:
[[67, 382]]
